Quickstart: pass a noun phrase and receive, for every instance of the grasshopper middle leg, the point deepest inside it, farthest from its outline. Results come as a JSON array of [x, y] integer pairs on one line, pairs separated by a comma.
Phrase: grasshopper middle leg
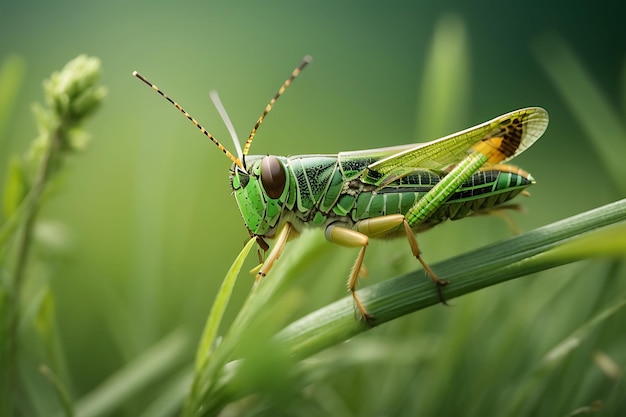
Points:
[[359, 237]]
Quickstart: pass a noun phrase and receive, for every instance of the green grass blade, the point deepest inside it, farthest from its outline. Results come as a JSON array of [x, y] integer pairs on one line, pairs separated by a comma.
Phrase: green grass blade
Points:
[[561, 350], [170, 400], [513, 258], [209, 358], [60, 389], [445, 86], [222, 298], [602, 124], [534, 384], [151, 366], [253, 319]]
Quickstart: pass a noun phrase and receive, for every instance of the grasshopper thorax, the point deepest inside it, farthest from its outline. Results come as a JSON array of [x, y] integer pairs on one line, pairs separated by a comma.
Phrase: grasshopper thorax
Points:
[[261, 191]]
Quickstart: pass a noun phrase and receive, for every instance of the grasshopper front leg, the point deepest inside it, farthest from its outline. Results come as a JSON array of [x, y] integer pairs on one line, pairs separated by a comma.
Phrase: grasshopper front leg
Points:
[[277, 250]]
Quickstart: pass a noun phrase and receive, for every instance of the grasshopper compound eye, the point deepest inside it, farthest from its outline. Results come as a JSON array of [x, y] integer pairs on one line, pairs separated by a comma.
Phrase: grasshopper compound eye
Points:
[[273, 176]]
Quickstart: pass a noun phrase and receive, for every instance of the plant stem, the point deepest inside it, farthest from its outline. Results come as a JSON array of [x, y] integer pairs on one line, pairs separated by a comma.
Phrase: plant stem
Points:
[[563, 242], [24, 240], [71, 96]]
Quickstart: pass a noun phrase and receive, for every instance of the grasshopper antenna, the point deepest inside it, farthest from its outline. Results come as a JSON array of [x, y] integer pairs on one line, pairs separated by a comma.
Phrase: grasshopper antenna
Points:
[[236, 161], [305, 61], [215, 98]]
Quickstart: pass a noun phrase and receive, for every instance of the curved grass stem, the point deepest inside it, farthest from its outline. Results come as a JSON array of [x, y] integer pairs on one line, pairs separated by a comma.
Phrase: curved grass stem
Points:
[[541, 249]]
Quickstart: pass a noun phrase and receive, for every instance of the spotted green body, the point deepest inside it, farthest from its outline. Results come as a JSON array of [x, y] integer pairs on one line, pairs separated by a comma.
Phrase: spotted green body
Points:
[[428, 183], [322, 189]]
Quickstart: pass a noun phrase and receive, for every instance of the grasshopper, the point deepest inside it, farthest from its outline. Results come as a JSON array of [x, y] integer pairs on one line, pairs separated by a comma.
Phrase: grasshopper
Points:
[[379, 193]]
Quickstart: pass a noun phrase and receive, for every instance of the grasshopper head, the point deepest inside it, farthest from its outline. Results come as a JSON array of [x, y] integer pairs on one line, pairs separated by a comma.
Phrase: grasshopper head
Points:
[[261, 192]]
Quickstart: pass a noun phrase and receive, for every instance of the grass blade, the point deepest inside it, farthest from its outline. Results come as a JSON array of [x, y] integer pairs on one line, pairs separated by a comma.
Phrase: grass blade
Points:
[[135, 376], [222, 298], [603, 125], [516, 257]]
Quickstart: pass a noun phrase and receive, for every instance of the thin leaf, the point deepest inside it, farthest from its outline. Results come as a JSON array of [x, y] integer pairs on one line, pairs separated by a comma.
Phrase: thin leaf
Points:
[[534, 383], [206, 393], [222, 298], [169, 401], [444, 89], [561, 350], [60, 389], [15, 187], [151, 366], [603, 125]]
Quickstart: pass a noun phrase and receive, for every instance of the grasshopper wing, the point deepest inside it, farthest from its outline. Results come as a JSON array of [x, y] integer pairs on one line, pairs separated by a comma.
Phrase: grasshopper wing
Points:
[[518, 130]]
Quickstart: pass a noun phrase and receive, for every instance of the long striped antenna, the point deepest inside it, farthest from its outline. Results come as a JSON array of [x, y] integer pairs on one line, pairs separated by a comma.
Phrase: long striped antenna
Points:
[[236, 161], [305, 61]]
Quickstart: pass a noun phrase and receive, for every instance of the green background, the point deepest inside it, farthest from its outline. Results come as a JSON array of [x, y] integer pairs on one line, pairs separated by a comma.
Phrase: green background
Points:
[[143, 227]]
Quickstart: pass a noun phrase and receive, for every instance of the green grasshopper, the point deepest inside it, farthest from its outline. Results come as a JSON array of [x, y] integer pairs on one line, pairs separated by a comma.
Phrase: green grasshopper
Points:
[[378, 193]]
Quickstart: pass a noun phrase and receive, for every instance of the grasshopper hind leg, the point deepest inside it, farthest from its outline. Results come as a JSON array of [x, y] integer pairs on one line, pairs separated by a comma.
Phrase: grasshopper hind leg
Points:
[[440, 283]]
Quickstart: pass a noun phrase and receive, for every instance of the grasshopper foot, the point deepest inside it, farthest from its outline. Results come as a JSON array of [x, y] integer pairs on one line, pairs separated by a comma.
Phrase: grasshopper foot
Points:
[[440, 284], [364, 315], [369, 319]]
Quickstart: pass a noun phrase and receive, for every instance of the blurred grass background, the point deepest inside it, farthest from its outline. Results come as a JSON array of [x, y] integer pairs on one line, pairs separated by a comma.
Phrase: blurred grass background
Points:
[[142, 228]]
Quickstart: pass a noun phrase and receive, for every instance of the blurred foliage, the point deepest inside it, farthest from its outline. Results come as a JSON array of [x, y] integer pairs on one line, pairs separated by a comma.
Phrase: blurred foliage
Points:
[[129, 253], [27, 303]]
